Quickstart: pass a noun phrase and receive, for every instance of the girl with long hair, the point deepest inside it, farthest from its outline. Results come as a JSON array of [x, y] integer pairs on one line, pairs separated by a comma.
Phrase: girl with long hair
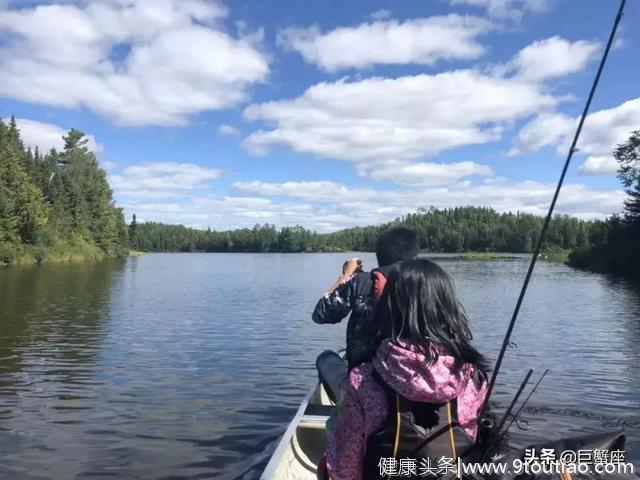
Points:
[[421, 393]]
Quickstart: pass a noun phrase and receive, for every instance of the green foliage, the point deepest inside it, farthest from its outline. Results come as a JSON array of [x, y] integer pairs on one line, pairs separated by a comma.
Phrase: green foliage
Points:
[[628, 156], [133, 233], [22, 206], [614, 244], [55, 206], [464, 229]]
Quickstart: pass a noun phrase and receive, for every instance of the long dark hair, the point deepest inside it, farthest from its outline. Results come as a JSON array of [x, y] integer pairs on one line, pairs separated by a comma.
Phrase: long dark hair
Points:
[[419, 304]]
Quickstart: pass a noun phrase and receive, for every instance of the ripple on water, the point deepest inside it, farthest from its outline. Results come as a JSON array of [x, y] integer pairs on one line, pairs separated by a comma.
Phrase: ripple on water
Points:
[[191, 365]]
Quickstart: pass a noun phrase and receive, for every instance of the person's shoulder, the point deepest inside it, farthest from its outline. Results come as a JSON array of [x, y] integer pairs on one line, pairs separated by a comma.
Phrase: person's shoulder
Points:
[[360, 278]]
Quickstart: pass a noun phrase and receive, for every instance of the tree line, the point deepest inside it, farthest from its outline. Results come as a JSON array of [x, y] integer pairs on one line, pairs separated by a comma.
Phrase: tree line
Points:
[[56, 204], [59, 204], [461, 229], [617, 249]]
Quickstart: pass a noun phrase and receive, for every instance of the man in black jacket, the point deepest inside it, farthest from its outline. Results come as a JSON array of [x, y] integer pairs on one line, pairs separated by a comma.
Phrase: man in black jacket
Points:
[[355, 293]]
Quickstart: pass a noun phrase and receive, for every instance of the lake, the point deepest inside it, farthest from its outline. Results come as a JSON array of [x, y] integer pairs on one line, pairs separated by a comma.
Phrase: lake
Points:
[[191, 365]]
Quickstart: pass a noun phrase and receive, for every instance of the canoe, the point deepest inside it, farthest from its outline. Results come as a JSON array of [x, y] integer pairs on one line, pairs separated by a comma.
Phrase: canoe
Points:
[[303, 443]]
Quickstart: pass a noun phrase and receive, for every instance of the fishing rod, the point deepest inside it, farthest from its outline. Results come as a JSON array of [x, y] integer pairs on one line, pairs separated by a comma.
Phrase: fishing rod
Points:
[[547, 219], [514, 417], [495, 437]]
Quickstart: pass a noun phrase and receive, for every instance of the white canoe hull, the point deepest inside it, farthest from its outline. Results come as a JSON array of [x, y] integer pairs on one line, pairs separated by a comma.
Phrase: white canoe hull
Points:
[[297, 455]]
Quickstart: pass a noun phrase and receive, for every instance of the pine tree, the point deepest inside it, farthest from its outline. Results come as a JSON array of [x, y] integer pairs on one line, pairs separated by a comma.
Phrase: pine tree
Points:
[[133, 233], [57, 198], [628, 156], [25, 210]]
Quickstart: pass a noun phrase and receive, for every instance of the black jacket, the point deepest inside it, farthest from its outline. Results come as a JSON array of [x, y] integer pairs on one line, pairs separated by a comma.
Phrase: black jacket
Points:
[[355, 296]]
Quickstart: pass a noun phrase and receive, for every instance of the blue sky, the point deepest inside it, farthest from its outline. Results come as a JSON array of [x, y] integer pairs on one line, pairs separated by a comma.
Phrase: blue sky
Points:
[[326, 114]]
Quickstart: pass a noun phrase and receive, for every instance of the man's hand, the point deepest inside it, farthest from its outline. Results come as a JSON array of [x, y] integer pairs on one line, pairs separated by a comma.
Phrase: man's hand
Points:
[[351, 266]]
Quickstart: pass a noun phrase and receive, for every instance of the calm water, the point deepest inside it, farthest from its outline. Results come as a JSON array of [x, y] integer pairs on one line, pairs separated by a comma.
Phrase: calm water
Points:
[[190, 365]]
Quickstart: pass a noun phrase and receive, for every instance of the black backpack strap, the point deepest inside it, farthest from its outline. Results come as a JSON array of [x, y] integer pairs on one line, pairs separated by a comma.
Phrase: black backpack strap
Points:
[[397, 403]]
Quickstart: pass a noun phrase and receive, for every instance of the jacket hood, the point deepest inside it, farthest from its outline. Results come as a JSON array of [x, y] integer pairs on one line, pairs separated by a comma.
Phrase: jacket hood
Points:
[[427, 374]]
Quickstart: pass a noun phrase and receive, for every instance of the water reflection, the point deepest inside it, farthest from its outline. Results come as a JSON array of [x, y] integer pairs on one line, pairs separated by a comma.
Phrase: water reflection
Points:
[[60, 309], [54, 319]]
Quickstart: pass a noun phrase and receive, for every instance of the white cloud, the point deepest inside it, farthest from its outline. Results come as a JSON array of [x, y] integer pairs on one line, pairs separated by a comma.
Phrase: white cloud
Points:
[[426, 174], [605, 129], [236, 212], [108, 165], [162, 179], [506, 9], [398, 119], [46, 136], [138, 63], [228, 130], [316, 191], [329, 206], [599, 166], [422, 41], [369, 206], [545, 129], [552, 58], [381, 14], [419, 174], [602, 131]]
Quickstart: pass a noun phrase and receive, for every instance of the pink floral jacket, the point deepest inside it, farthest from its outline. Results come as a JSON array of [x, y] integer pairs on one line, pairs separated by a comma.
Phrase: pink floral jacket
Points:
[[407, 369]]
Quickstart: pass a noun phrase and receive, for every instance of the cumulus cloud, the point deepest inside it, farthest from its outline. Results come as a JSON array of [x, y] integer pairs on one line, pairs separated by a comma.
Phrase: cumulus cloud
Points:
[[374, 206], [236, 212], [602, 131], [552, 58], [228, 130], [46, 136], [316, 191], [329, 206], [506, 9], [426, 174], [421, 41], [138, 63], [545, 129], [162, 179], [605, 129], [599, 166], [402, 119]]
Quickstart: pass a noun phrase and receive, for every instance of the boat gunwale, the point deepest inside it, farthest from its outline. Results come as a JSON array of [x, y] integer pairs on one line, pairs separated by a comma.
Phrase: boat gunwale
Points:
[[287, 436]]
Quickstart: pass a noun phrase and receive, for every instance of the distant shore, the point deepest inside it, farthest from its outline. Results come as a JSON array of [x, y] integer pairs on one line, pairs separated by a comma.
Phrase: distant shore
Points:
[[559, 256], [31, 255], [62, 253]]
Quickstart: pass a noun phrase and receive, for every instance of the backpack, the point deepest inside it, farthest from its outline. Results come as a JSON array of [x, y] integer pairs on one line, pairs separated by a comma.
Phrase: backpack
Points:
[[427, 433]]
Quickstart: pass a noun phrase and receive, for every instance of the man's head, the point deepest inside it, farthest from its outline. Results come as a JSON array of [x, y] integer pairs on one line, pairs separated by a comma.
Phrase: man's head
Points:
[[395, 245]]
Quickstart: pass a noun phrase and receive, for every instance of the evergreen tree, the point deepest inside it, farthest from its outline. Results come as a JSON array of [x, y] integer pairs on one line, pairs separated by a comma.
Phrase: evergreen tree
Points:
[[24, 208], [133, 233], [614, 243], [59, 199], [628, 156]]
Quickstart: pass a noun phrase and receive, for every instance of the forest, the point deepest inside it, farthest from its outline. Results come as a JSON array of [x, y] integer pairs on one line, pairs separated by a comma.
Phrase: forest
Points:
[[55, 205], [461, 229]]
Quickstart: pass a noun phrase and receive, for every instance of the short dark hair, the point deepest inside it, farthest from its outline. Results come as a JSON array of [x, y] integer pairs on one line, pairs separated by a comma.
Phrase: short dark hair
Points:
[[395, 245]]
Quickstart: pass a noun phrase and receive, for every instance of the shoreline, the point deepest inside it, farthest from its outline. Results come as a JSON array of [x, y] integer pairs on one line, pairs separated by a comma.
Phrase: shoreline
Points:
[[34, 256], [85, 253], [466, 256]]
